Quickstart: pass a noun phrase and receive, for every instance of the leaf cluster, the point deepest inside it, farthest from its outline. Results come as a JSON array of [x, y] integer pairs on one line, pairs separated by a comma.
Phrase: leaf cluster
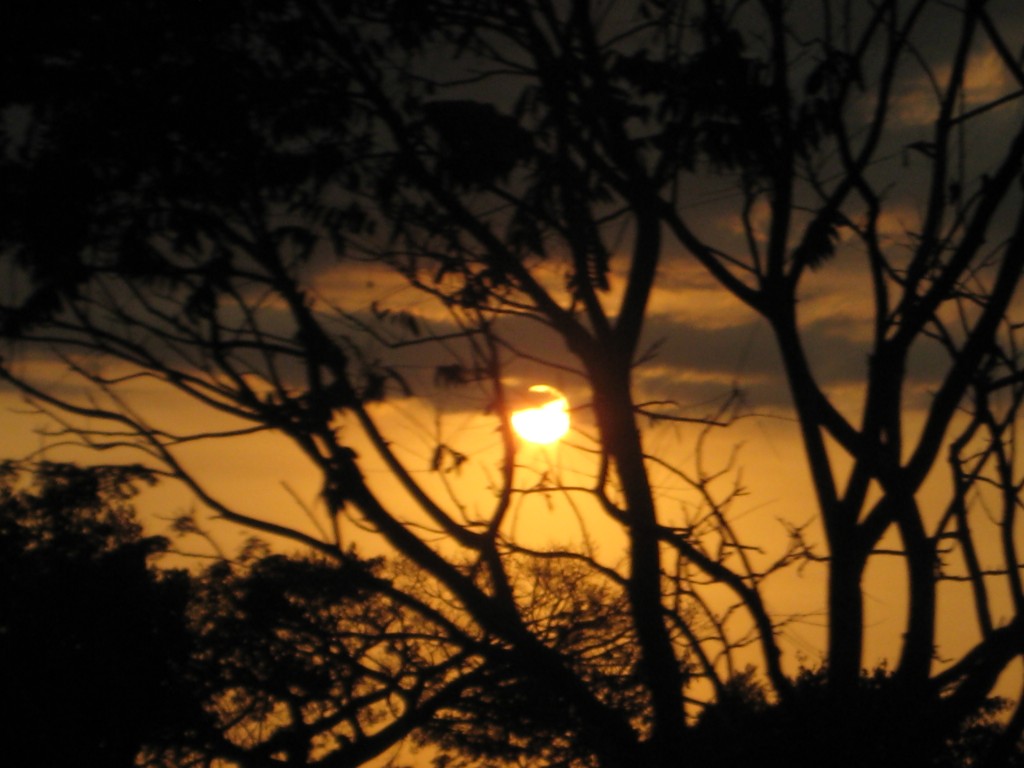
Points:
[[93, 647], [873, 725]]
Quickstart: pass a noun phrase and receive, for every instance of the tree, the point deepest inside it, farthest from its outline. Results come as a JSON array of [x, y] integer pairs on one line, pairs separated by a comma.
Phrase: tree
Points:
[[531, 166], [109, 660], [298, 657], [93, 639]]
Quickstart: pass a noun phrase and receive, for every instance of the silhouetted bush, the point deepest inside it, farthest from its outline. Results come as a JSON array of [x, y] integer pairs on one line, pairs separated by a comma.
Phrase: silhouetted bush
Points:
[[92, 639]]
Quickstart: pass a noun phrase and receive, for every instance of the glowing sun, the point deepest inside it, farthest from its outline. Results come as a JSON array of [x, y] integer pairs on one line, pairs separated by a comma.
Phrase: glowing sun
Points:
[[545, 423]]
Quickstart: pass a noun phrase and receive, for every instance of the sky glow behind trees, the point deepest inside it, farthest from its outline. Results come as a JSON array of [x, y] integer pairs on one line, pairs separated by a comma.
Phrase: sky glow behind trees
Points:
[[313, 252]]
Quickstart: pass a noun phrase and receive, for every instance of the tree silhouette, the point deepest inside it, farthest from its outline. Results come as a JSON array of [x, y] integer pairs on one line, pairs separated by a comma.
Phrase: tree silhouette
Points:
[[300, 660], [93, 640], [532, 167]]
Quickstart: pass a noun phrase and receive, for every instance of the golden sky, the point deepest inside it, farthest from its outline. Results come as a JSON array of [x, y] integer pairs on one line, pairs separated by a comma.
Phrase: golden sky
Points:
[[703, 345]]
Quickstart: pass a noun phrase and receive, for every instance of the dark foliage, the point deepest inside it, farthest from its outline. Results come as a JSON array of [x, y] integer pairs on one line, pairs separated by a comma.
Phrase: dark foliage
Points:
[[178, 175], [877, 724], [93, 642]]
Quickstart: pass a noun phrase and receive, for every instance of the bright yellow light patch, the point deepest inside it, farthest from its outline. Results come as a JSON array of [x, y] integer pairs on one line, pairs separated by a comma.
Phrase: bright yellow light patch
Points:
[[546, 423]]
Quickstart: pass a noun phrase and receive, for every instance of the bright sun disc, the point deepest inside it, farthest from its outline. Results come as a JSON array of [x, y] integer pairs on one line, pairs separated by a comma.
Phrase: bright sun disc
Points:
[[546, 423]]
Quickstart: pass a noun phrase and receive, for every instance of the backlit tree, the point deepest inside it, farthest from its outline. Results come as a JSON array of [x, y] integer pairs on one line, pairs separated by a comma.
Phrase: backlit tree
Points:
[[205, 196]]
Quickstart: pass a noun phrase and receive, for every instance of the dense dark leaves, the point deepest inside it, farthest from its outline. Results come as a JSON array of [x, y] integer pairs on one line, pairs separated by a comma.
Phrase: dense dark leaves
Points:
[[138, 125], [819, 241], [505, 714], [146, 125], [106, 660], [280, 660], [93, 642], [477, 145], [874, 725]]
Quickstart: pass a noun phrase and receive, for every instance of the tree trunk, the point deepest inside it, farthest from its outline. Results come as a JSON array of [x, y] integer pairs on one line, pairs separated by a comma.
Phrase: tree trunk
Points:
[[846, 618], [661, 668]]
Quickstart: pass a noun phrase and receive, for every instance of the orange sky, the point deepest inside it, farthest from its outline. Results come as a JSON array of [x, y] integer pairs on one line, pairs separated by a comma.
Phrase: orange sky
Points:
[[706, 343]]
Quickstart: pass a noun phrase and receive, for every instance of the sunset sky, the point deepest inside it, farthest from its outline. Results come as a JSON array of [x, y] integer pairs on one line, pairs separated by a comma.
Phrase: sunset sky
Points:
[[701, 345]]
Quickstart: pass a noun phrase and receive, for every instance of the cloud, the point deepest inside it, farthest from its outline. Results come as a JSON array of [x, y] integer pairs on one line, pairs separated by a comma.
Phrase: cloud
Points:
[[694, 364], [986, 79]]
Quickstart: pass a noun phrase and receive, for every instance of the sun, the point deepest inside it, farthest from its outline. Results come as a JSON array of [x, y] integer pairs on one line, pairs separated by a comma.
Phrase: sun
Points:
[[545, 423]]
